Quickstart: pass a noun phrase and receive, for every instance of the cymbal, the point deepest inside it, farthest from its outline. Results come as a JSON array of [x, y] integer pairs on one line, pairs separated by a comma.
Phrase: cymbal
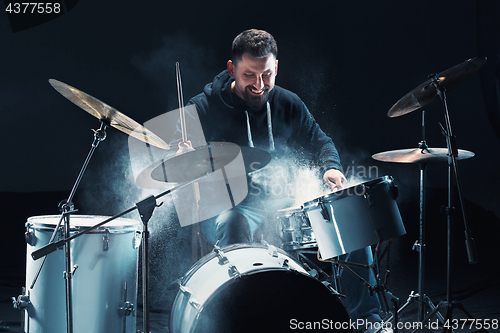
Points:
[[201, 161], [107, 114], [417, 155], [426, 92]]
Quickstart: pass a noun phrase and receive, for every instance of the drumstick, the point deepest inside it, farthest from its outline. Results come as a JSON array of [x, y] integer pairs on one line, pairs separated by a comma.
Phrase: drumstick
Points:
[[184, 139], [181, 102]]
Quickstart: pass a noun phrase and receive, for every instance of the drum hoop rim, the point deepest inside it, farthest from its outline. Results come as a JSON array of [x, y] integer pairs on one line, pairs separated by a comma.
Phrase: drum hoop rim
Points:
[[334, 196], [133, 225], [226, 249]]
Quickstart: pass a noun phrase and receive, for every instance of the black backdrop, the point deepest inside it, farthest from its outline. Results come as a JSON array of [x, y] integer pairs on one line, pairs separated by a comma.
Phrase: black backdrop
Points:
[[350, 61]]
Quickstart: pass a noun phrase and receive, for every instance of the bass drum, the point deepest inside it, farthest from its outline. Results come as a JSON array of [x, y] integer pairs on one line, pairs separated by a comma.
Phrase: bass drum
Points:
[[104, 284], [252, 288]]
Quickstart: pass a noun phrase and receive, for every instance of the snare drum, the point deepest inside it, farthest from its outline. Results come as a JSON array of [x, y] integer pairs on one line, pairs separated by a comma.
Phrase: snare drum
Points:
[[295, 230], [104, 284], [355, 217], [251, 288]]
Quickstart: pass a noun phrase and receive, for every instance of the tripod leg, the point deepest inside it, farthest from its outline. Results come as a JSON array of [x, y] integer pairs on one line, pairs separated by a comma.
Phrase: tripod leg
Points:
[[427, 301], [461, 307]]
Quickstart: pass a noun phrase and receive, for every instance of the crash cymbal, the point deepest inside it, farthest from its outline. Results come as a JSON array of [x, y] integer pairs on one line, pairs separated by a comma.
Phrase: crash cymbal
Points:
[[200, 162], [417, 155], [426, 92], [107, 114]]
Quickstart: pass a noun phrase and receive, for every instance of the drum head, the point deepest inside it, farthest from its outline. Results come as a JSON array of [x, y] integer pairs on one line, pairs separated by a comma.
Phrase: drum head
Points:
[[270, 301]]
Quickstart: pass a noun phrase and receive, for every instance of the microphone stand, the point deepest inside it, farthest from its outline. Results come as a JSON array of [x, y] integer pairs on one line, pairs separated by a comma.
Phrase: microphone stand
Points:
[[67, 208], [449, 305], [145, 208]]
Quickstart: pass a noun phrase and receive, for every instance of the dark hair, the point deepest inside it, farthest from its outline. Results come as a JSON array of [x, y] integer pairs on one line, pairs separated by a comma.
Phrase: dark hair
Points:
[[258, 43]]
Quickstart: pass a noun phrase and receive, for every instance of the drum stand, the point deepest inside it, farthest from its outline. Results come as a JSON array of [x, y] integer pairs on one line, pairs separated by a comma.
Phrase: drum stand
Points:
[[380, 287], [67, 208]]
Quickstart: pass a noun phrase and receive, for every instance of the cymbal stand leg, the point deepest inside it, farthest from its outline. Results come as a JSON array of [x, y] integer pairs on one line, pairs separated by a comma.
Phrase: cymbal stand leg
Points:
[[145, 208]]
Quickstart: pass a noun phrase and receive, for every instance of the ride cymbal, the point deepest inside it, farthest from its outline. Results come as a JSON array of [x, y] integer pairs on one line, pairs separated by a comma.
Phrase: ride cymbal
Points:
[[108, 114], [426, 92], [418, 155]]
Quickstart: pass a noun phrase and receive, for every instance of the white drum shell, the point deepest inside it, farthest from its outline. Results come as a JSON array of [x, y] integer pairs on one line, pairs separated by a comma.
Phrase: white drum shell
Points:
[[356, 218], [98, 283]]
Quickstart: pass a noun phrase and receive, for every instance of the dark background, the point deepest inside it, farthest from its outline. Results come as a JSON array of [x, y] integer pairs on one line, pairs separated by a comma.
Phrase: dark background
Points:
[[350, 61]]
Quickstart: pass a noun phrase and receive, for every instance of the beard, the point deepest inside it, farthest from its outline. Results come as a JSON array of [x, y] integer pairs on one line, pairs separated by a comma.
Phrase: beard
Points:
[[255, 101]]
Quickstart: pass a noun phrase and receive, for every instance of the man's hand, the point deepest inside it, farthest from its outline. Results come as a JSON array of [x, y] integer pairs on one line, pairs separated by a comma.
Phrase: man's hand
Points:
[[184, 147], [335, 179]]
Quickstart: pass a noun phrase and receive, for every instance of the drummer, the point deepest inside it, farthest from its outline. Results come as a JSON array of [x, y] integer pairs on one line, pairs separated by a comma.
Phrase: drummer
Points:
[[244, 106]]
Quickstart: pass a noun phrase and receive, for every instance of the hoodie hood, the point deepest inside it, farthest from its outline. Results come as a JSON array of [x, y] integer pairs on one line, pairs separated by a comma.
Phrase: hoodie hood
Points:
[[220, 93]]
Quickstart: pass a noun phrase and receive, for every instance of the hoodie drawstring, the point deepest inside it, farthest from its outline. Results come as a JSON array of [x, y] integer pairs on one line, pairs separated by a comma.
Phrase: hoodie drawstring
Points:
[[269, 129]]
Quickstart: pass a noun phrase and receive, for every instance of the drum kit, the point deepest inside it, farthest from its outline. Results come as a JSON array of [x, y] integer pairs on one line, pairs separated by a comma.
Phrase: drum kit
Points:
[[241, 281]]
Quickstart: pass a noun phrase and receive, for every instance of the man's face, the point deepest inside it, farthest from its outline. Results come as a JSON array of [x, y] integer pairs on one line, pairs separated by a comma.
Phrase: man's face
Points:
[[253, 78]]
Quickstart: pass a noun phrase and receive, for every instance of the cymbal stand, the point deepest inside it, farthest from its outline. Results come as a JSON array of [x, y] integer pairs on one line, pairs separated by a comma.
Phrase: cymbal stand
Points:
[[420, 246], [67, 208], [449, 305]]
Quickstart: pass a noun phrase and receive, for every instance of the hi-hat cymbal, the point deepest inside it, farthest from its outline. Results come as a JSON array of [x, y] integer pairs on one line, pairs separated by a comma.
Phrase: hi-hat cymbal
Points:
[[426, 92], [417, 155], [200, 162], [107, 114]]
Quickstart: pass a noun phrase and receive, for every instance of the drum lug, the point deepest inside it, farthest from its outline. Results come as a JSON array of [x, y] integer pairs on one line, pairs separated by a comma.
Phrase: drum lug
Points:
[[394, 191], [233, 271], [195, 304], [105, 241], [324, 212], [367, 197], [188, 294], [184, 290], [126, 309], [220, 254], [271, 249], [136, 241], [22, 301], [30, 238]]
